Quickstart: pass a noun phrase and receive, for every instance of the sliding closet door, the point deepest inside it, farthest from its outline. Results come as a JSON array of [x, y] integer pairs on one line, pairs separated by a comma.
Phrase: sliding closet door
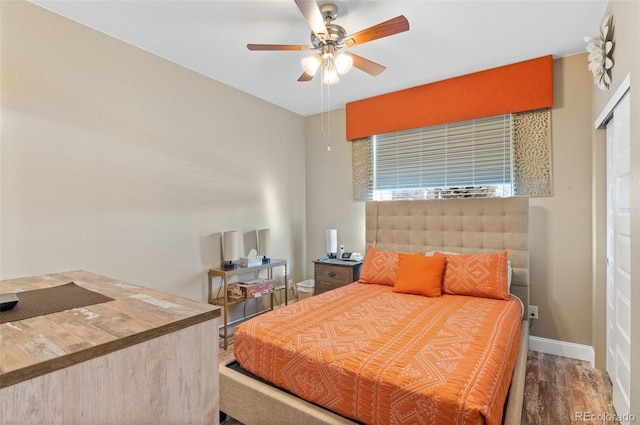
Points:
[[618, 256]]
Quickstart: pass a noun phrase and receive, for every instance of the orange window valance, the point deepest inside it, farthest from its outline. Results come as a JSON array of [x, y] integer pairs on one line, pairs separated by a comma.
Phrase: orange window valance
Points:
[[518, 87]]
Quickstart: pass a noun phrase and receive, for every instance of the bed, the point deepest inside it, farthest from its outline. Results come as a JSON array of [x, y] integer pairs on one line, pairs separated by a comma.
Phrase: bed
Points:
[[351, 339]]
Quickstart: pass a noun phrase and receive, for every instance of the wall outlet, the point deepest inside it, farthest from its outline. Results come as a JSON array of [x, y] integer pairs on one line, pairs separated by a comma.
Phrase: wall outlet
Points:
[[533, 312], [290, 283]]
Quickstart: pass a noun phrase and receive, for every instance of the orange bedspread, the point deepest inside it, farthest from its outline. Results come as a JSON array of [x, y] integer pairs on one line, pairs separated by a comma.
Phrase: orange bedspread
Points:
[[387, 358]]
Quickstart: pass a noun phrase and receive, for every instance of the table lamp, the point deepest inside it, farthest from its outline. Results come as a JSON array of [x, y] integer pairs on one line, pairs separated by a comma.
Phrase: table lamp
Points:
[[229, 250], [263, 236], [332, 242]]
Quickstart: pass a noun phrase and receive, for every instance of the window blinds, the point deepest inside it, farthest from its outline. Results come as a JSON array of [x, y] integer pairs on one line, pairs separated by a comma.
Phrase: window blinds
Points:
[[465, 154]]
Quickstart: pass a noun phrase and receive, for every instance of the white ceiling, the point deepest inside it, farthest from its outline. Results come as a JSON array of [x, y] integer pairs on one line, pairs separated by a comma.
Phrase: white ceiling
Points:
[[447, 38]]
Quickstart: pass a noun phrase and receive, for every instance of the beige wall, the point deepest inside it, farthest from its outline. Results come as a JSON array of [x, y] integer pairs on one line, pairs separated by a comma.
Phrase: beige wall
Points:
[[626, 27], [124, 164], [328, 187], [560, 225], [560, 236]]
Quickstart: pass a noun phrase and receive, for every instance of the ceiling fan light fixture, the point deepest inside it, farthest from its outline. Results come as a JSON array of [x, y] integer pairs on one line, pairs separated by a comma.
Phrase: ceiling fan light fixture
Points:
[[330, 74], [343, 63], [328, 38], [311, 64]]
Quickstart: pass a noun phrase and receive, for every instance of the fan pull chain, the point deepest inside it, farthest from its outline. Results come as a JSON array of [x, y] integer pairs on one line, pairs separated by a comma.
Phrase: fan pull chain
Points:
[[322, 109], [321, 101], [328, 118]]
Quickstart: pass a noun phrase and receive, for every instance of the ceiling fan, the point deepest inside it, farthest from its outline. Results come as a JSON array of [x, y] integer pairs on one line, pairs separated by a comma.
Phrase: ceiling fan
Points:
[[329, 39]]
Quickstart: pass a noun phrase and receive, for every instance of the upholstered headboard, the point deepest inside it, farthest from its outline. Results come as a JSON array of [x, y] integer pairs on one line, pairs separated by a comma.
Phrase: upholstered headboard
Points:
[[478, 225]]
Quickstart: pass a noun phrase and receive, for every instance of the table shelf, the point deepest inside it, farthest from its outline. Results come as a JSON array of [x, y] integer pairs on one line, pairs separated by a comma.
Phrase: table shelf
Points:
[[226, 302]]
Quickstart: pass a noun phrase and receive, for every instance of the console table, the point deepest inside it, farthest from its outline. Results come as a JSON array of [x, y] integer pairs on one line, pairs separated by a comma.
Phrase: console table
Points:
[[224, 299], [141, 357]]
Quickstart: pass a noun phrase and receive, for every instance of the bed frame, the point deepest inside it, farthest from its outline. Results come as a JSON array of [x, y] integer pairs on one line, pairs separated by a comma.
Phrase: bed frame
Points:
[[453, 225]]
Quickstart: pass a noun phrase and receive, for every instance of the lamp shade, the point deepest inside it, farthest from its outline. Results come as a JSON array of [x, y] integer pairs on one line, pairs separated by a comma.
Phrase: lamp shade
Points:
[[332, 241], [330, 75], [263, 242], [311, 64], [343, 63], [230, 246]]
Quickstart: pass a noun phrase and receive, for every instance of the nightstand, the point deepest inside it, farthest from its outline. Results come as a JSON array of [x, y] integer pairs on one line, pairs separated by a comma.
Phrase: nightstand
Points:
[[333, 273]]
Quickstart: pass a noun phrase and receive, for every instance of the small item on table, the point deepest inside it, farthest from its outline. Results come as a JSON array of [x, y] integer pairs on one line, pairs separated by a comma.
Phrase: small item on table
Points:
[[8, 301]]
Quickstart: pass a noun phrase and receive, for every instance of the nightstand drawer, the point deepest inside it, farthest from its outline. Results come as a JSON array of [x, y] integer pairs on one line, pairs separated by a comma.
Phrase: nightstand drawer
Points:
[[325, 286], [332, 274]]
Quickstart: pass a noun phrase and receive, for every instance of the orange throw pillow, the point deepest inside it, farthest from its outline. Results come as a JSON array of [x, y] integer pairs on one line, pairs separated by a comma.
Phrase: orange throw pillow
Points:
[[478, 275], [419, 274], [379, 267]]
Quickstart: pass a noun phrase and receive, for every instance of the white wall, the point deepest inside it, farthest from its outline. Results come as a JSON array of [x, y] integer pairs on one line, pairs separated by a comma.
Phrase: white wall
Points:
[[124, 164]]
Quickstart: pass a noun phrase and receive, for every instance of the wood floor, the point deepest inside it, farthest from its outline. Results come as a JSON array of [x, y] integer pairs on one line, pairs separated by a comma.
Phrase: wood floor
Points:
[[558, 391]]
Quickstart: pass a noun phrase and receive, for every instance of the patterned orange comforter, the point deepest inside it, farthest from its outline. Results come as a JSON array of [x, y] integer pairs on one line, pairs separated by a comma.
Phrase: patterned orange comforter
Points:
[[381, 357]]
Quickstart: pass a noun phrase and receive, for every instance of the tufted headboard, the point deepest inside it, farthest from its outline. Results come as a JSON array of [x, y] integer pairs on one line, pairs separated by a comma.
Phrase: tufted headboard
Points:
[[478, 225]]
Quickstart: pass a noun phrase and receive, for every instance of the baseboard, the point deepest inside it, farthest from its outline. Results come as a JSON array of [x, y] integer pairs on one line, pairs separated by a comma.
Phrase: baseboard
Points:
[[562, 348]]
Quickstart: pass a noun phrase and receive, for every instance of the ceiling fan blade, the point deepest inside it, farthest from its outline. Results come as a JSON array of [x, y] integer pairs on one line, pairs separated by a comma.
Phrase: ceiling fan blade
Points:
[[312, 14], [277, 47], [392, 26], [366, 65], [305, 77]]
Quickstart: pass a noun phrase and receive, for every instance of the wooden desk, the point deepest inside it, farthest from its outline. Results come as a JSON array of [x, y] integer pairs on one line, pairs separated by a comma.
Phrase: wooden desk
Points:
[[145, 357]]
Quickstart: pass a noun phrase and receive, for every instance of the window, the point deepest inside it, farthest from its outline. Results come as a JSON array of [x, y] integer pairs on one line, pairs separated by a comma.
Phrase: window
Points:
[[464, 159], [507, 155]]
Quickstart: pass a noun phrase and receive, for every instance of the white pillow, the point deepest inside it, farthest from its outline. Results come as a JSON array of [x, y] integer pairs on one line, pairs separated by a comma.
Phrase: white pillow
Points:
[[430, 253]]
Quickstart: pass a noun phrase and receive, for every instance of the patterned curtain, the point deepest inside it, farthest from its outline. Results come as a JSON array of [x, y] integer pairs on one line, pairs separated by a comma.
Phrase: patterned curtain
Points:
[[362, 168], [532, 153]]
